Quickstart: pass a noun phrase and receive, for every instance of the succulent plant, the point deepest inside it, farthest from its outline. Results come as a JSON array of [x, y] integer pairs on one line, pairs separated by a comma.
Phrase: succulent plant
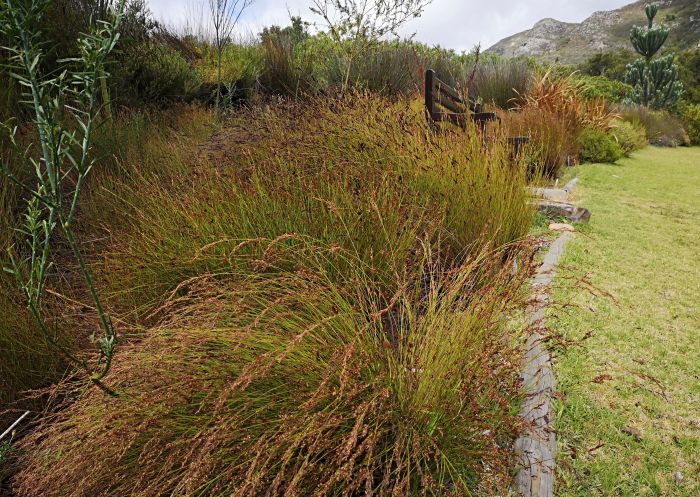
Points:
[[655, 82]]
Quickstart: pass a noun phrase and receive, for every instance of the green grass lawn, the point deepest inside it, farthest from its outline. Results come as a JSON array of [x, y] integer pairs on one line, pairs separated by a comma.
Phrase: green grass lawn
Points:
[[629, 415]]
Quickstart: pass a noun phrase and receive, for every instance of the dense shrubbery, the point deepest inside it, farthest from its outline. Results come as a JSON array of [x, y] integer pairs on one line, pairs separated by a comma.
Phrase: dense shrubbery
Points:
[[155, 73], [554, 115], [662, 128], [612, 65], [597, 87], [691, 118], [597, 145], [631, 136]]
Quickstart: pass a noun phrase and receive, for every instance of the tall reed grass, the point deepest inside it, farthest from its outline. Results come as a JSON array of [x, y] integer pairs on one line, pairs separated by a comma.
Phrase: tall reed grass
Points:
[[363, 173], [302, 383], [503, 82], [325, 289]]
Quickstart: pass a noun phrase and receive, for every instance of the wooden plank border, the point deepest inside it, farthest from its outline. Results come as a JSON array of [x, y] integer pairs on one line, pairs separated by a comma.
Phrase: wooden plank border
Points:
[[536, 448]]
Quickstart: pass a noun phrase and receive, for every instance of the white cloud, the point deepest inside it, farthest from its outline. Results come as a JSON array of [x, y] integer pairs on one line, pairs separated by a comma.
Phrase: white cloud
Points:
[[458, 24]]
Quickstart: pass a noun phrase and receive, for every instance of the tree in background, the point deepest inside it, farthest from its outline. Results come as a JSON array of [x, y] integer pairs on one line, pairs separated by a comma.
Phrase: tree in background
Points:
[[225, 15], [655, 81], [357, 24], [612, 64]]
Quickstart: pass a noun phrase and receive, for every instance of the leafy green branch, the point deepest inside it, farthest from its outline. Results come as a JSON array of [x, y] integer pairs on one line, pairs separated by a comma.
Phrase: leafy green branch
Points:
[[65, 107]]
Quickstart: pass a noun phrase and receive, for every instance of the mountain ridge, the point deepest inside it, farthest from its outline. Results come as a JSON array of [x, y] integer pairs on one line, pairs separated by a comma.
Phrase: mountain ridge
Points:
[[551, 40]]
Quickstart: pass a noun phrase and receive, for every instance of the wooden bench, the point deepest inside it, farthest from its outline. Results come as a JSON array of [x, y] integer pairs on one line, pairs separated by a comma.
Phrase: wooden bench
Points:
[[439, 94], [444, 104]]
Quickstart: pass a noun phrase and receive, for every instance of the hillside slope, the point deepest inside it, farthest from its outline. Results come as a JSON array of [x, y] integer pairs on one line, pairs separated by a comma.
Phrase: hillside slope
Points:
[[570, 43]]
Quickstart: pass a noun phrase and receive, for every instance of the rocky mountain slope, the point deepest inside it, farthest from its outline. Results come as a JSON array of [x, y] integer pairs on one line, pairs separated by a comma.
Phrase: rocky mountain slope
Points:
[[570, 43]]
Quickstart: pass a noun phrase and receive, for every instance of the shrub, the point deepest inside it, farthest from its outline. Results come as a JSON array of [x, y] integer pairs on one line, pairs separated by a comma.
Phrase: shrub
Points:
[[662, 128], [691, 118], [689, 72], [599, 146], [554, 115], [630, 136], [155, 73], [612, 64], [600, 87]]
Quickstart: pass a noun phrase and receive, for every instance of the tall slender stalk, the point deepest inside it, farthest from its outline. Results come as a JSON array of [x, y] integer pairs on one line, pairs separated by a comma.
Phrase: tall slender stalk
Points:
[[65, 159], [225, 15]]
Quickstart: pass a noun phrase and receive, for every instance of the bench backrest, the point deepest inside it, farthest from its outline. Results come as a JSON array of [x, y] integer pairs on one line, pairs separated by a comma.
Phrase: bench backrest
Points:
[[444, 104]]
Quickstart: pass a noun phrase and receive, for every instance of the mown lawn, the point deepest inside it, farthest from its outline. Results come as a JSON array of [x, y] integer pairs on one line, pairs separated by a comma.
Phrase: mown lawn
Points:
[[629, 415]]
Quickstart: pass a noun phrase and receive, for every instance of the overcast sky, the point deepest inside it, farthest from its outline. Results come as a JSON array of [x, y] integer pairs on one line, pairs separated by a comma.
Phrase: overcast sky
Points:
[[457, 24]]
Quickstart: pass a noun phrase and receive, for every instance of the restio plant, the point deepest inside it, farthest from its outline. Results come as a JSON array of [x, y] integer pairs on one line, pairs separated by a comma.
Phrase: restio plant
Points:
[[503, 82], [553, 115], [599, 146], [224, 16], [326, 316], [655, 82], [64, 164]]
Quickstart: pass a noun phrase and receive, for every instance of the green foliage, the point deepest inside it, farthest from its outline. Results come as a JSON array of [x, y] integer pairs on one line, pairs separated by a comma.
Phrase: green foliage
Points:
[[156, 73], [631, 136], [597, 146], [655, 82], [597, 87], [689, 73], [5, 448], [356, 27], [662, 128], [27, 360], [691, 118], [63, 165], [612, 64]]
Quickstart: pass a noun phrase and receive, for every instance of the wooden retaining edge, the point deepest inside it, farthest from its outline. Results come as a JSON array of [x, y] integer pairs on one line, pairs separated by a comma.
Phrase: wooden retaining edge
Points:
[[535, 449]]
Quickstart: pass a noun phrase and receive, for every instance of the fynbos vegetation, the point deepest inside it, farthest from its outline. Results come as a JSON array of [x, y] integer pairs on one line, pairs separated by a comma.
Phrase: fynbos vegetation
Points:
[[318, 290]]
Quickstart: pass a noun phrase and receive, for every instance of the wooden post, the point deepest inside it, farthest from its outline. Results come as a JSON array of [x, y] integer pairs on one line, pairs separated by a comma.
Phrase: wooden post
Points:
[[429, 87]]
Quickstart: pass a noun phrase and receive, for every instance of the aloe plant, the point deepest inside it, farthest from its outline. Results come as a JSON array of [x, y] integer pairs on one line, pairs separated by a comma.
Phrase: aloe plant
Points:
[[655, 82], [65, 108]]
